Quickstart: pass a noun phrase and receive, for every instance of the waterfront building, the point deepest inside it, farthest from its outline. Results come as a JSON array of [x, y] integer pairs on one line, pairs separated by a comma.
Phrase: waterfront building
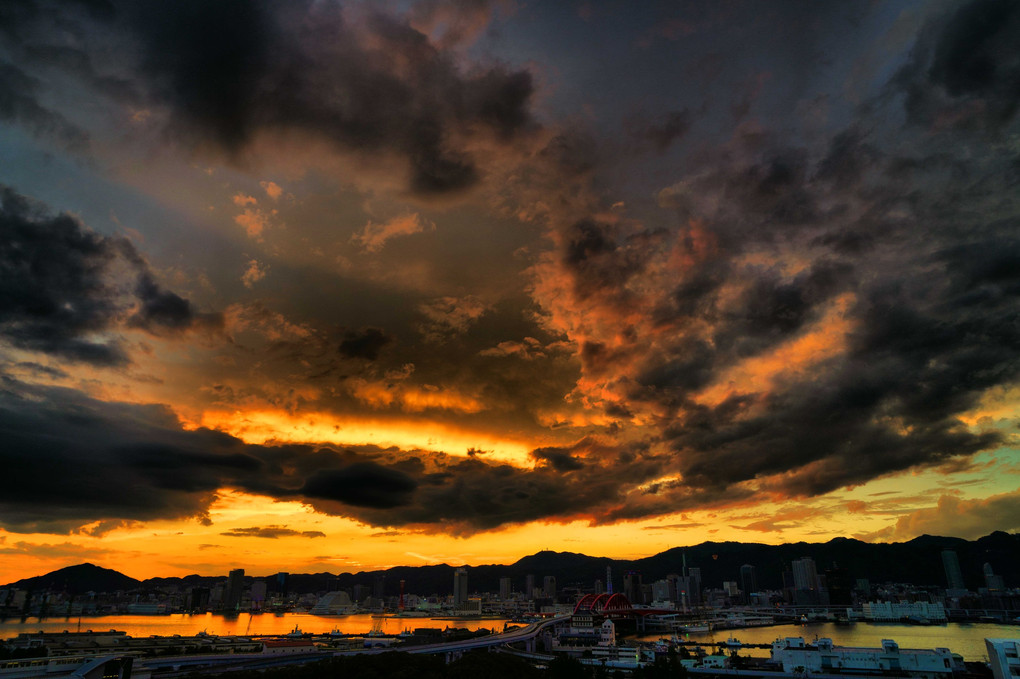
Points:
[[529, 586], [504, 588], [258, 594], [794, 655], [460, 587], [287, 646], [235, 588], [1004, 657], [951, 564], [334, 603], [911, 611], [993, 582]]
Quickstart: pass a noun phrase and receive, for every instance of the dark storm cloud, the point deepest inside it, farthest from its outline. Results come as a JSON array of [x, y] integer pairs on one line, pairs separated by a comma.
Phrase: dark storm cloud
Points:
[[19, 104], [59, 292], [363, 484], [230, 71], [902, 243], [560, 459], [233, 70], [661, 133], [364, 343], [965, 69], [81, 461]]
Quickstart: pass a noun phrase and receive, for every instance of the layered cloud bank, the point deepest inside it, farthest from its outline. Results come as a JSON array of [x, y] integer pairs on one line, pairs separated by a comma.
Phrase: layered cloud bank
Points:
[[434, 270]]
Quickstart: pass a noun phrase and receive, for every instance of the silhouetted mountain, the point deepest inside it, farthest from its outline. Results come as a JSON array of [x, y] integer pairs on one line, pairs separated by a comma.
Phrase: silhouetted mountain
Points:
[[79, 579], [918, 561]]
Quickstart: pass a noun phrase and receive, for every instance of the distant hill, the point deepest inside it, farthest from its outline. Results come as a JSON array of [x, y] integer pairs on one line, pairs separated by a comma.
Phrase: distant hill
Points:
[[918, 561], [79, 579]]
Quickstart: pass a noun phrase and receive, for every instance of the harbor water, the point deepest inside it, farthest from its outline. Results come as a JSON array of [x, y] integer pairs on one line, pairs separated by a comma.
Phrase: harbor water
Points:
[[966, 639], [265, 623]]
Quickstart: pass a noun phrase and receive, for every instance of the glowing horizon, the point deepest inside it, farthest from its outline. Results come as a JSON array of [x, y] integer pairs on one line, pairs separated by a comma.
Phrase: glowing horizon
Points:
[[436, 280]]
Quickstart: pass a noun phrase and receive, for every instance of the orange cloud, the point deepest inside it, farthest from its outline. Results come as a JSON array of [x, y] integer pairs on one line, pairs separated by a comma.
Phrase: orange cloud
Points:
[[758, 374], [374, 236], [272, 189], [969, 519], [412, 399], [280, 426], [254, 222]]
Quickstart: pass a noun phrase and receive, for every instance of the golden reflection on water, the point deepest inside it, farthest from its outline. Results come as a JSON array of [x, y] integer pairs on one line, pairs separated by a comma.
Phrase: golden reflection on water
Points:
[[966, 639], [266, 623]]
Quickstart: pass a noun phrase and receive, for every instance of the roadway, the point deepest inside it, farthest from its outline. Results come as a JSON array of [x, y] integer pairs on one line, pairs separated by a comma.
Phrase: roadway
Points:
[[176, 666]]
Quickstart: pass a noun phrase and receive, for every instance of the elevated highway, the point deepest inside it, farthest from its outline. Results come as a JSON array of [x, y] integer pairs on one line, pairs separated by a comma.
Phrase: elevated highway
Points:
[[179, 666]]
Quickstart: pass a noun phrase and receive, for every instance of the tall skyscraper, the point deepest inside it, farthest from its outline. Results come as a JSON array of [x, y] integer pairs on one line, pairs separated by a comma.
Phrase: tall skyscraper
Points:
[[504, 589], [805, 574], [460, 586], [609, 579], [549, 586], [235, 588], [529, 586], [748, 580], [694, 592], [951, 564]]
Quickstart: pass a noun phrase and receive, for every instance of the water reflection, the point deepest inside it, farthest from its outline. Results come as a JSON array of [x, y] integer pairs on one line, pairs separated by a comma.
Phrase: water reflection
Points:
[[966, 639], [188, 625]]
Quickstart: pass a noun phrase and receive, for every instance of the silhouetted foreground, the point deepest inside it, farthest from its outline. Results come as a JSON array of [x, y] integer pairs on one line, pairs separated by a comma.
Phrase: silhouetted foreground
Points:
[[472, 666]]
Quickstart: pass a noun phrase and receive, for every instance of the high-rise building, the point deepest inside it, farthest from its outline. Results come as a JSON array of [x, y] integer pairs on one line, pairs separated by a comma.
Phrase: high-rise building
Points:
[[549, 586], [805, 574], [529, 586], [839, 586], [198, 599], [632, 587], [258, 594], [504, 589], [609, 579], [674, 586], [379, 587], [748, 580], [992, 581], [235, 588], [460, 587], [695, 588], [661, 591], [951, 564]]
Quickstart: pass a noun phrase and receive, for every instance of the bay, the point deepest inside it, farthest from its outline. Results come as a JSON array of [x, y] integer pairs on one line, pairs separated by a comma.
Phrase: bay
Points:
[[266, 623]]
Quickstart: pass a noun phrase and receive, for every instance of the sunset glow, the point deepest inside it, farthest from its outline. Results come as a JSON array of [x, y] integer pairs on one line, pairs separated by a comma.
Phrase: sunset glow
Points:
[[334, 286]]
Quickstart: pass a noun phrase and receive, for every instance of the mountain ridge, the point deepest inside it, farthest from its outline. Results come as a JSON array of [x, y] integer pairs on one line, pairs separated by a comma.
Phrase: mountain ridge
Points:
[[917, 561]]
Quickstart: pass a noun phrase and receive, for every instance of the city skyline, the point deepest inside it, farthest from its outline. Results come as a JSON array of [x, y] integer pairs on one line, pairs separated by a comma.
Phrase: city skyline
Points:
[[345, 286]]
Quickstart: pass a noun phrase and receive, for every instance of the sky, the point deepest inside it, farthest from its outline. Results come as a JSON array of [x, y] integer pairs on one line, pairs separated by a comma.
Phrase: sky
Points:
[[317, 286]]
